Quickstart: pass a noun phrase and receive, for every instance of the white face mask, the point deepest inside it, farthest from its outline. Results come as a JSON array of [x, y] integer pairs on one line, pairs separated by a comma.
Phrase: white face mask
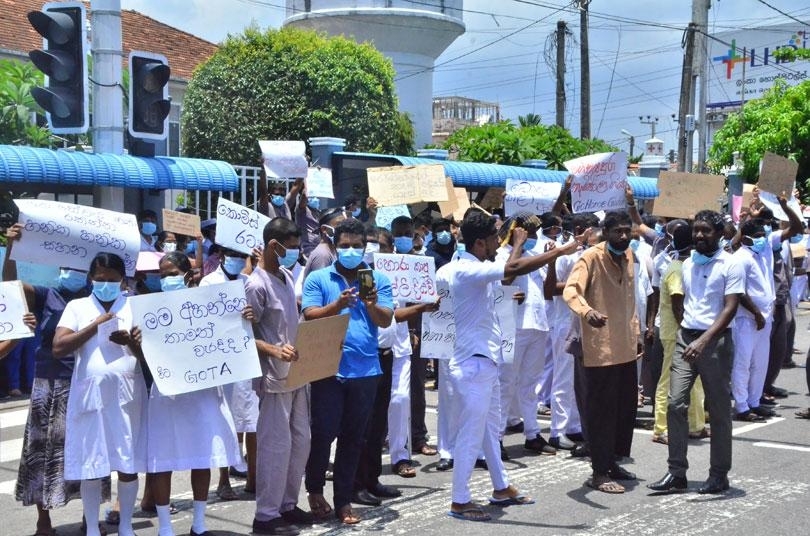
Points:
[[169, 247], [371, 249]]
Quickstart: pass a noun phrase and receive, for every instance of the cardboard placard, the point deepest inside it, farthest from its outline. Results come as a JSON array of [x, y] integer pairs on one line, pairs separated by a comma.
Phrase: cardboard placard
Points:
[[413, 277], [284, 159], [239, 228], [451, 205], [319, 183], [320, 347], [748, 194], [439, 327], [463, 201], [196, 338], [682, 195], [68, 235], [527, 196], [493, 199], [385, 215], [12, 308], [182, 223], [506, 312], [599, 182], [403, 185], [777, 174]]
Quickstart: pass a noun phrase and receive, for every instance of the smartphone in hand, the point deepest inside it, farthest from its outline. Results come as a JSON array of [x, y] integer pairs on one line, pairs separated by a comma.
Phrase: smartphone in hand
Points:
[[366, 278]]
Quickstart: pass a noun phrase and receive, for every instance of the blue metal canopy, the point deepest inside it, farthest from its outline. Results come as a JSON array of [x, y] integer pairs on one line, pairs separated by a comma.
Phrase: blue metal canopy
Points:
[[20, 164], [479, 175]]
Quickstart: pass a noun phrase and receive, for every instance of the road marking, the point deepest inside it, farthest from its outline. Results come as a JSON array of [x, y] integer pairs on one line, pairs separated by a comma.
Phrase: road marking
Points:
[[753, 426], [10, 450], [770, 445], [13, 418]]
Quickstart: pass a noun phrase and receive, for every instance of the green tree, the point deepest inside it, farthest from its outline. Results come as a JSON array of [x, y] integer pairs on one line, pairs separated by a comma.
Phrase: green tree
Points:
[[778, 122], [291, 84], [17, 106], [505, 143], [529, 120]]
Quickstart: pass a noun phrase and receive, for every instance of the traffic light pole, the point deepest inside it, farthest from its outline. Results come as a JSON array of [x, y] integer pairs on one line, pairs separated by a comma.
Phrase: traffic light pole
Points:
[[107, 91]]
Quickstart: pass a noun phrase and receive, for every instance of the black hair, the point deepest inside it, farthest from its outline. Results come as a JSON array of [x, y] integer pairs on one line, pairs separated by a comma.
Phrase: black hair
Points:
[[615, 218], [349, 226], [107, 260], [549, 219], [329, 215], [351, 200], [402, 221], [713, 218], [440, 222], [147, 213], [582, 220], [382, 231], [649, 220], [280, 229], [423, 218], [477, 225], [371, 229], [681, 232], [179, 259], [752, 226]]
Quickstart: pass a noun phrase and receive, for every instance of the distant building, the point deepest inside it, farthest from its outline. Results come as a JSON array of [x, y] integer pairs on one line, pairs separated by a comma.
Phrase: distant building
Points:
[[453, 113]]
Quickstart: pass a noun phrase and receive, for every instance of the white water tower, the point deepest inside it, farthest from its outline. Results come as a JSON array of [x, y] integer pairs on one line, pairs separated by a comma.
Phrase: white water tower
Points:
[[411, 33]]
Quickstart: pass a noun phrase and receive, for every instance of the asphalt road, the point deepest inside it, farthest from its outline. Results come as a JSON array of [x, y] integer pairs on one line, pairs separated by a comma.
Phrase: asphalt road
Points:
[[770, 487]]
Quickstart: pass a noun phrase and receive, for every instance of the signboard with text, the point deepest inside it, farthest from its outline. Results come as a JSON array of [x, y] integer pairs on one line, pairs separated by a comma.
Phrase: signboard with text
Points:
[[599, 182], [403, 185], [413, 277], [239, 228]]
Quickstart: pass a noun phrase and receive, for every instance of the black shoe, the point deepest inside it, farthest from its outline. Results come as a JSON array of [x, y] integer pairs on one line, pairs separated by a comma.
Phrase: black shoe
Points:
[[538, 444], [789, 364], [763, 411], [236, 473], [777, 392], [515, 428], [767, 402], [366, 497], [669, 484], [298, 517], [275, 526], [562, 443], [748, 416], [715, 484], [620, 473], [504, 454], [576, 437], [384, 492], [481, 464], [445, 464], [581, 451], [193, 533]]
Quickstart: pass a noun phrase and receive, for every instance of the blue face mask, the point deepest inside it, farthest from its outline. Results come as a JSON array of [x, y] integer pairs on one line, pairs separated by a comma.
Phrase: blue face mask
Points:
[[444, 237], [700, 259], [634, 244], [428, 237], [72, 281], [768, 230], [152, 282], [796, 239], [172, 282], [277, 200], [530, 244], [191, 247], [460, 247], [148, 228], [356, 213], [233, 265], [659, 229], [615, 251], [106, 291], [350, 258], [403, 244], [314, 203], [289, 259], [759, 244]]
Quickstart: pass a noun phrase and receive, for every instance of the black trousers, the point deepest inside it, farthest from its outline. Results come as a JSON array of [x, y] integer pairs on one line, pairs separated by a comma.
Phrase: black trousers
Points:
[[779, 350], [369, 468]]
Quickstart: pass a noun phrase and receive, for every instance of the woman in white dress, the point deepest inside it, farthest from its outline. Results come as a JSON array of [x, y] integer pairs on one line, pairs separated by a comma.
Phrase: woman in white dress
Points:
[[191, 431], [106, 407]]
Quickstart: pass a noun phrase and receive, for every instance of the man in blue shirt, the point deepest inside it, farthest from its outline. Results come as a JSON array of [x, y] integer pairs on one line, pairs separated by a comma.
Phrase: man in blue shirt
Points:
[[341, 404]]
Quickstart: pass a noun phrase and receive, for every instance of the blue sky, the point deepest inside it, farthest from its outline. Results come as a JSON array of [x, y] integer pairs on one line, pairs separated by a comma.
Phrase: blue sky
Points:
[[635, 52]]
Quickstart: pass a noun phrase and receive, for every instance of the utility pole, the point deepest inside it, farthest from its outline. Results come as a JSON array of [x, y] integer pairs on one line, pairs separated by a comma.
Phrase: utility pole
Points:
[[652, 121], [585, 73], [686, 92], [700, 16], [560, 108]]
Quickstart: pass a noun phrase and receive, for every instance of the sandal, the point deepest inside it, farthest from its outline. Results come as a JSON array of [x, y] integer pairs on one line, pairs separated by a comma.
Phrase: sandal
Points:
[[803, 414], [347, 516], [702, 434], [426, 450], [226, 493], [404, 469], [660, 438], [604, 484], [516, 500], [470, 512], [113, 517], [318, 506]]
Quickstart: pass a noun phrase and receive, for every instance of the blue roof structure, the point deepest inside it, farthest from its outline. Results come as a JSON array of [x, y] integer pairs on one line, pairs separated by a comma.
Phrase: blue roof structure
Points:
[[20, 164], [479, 175]]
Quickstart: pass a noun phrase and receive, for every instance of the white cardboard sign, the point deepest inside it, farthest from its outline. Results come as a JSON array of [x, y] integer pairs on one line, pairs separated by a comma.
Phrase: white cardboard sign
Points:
[[439, 327], [239, 228], [599, 182], [196, 338], [529, 196], [413, 277], [284, 159], [319, 183], [506, 311], [12, 309], [385, 215]]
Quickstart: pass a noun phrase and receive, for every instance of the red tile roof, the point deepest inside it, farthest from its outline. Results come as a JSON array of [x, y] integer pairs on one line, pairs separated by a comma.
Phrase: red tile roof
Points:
[[183, 50]]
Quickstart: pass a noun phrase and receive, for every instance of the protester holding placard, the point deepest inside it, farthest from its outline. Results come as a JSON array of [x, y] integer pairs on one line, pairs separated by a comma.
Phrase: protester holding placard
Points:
[[307, 213], [106, 410], [177, 443], [341, 404], [7, 346]]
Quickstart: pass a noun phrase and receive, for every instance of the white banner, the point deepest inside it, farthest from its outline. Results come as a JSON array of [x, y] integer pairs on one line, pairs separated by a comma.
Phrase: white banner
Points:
[[385, 215], [413, 277], [239, 228], [319, 183], [506, 311], [64, 234], [12, 309], [284, 159], [196, 338], [439, 327], [772, 202], [528, 196], [599, 182]]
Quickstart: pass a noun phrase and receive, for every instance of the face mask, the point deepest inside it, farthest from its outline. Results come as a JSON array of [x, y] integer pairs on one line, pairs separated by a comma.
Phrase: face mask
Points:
[[148, 228], [659, 229], [768, 230], [403, 244], [152, 282], [443, 237], [169, 247], [314, 203], [277, 200], [460, 247], [289, 258], [356, 213], [106, 291], [371, 249], [234, 265], [724, 243], [420, 251], [700, 259], [350, 258], [72, 281], [759, 244], [634, 244], [172, 282], [428, 237], [530, 244], [191, 248], [796, 239], [615, 251]]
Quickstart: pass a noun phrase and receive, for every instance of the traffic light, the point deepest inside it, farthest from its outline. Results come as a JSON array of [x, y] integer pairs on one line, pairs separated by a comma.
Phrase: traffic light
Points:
[[149, 102], [64, 62]]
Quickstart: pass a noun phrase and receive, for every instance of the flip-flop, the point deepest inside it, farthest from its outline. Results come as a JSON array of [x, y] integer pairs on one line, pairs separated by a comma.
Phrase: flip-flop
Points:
[[226, 493], [404, 469], [319, 507], [803, 414], [473, 513], [347, 516], [517, 500]]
